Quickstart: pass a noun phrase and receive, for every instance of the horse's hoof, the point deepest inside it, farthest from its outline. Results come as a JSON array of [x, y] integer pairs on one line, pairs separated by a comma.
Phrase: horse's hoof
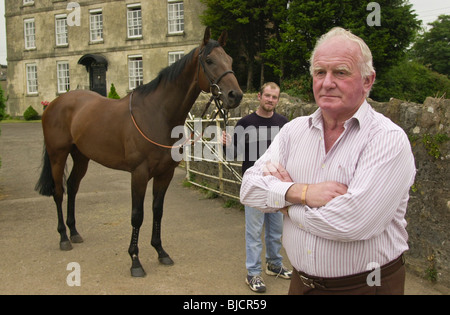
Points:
[[77, 239], [65, 246], [138, 272], [166, 261]]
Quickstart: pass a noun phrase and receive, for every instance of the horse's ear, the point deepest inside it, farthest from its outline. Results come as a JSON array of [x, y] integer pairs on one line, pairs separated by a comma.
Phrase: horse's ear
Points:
[[207, 36], [223, 38]]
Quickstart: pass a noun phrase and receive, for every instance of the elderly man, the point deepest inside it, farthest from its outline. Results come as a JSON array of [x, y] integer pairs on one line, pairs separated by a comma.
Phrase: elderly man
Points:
[[341, 177]]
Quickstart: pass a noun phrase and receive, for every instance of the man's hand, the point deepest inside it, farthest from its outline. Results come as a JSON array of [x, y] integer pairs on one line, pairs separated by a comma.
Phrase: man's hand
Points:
[[275, 169], [317, 195], [285, 211], [226, 139]]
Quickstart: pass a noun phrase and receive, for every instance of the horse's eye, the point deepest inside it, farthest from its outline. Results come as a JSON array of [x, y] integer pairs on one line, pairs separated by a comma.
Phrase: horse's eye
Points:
[[209, 61]]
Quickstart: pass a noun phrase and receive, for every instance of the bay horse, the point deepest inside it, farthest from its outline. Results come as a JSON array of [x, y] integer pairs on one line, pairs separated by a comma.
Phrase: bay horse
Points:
[[117, 134]]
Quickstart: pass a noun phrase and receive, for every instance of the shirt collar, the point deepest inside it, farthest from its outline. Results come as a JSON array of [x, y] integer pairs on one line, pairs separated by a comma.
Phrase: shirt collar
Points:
[[315, 120]]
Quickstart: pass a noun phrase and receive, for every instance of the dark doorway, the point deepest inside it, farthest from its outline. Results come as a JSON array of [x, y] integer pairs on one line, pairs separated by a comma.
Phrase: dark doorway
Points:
[[97, 66], [97, 78]]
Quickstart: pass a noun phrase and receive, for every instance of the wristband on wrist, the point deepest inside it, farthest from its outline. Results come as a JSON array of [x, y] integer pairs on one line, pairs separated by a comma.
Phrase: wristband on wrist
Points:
[[303, 200]]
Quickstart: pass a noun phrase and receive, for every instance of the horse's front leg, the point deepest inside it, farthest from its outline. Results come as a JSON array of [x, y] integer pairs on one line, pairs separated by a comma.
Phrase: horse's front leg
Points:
[[160, 185], [139, 181]]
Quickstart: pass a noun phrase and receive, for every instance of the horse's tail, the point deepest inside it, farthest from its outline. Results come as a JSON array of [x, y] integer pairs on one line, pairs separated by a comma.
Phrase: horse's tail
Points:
[[45, 185]]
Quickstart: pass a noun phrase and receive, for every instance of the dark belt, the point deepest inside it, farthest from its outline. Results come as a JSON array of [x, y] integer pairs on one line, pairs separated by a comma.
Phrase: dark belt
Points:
[[347, 281]]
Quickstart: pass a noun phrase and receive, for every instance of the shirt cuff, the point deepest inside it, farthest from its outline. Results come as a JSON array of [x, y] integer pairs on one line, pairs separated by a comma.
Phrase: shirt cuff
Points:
[[297, 214], [277, 195]]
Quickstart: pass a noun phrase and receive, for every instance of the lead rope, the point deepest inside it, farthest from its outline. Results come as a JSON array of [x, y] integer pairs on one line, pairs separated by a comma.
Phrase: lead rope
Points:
[[219, 108], [150, 140]]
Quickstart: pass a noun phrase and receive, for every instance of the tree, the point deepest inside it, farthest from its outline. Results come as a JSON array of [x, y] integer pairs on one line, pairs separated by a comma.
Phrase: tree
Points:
[[2, 105], [411, 81], [113, 93], [282, 34], [432, 48], [306, 21], [250, 22]]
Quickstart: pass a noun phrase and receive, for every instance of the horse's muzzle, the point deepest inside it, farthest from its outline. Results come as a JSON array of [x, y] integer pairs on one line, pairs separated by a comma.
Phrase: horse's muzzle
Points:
[[232, 99]]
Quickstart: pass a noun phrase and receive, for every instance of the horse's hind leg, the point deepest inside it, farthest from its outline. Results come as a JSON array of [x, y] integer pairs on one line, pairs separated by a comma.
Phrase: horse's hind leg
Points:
[[58, 163], [80, 166], [160, 185]]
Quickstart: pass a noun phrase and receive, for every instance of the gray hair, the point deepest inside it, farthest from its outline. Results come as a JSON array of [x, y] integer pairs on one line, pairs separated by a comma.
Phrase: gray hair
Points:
[[366, 60]]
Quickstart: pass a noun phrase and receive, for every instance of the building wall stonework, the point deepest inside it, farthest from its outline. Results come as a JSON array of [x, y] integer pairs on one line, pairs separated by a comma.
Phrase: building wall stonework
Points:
[[154, 45]]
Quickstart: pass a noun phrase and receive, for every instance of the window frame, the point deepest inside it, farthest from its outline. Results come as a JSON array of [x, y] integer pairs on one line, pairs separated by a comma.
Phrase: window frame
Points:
[[32, 78], [175, 17], [64, 34], [132, 27], [63, 82], [96, 26], [135, 71], [177, 55], [29, 31]]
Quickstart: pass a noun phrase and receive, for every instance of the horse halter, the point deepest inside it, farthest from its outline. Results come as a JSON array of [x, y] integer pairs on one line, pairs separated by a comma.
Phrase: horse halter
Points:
[[214, 84], [214, 88]]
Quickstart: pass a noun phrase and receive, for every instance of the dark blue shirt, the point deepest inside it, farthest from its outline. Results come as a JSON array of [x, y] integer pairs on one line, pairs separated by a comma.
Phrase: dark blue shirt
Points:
[[253, 134]]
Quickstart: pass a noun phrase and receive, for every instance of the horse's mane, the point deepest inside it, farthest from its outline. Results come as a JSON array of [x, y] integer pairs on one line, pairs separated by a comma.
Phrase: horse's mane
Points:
[[172, 72]]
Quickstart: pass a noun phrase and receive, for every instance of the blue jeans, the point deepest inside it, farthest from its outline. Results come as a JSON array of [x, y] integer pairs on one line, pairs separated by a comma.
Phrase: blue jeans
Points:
[[254, 223]]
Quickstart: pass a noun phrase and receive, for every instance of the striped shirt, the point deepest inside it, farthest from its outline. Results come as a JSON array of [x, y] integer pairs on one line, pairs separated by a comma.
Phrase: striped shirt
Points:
[[352, 232]]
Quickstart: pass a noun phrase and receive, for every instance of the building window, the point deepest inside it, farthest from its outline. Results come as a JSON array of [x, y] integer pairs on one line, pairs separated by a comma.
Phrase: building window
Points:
[[30, 34], [96, 25], [28, 2], [32, 81], [134, 21], [175, 56], [135, 71], [176, 16], [63, 76], [61, 30]]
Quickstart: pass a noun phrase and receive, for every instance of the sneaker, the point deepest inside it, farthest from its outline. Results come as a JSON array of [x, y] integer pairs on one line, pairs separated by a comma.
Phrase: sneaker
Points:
[[279, 271], [256, 283]]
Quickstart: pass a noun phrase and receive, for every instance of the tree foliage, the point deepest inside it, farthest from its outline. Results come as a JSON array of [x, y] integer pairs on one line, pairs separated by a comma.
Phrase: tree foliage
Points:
[[281, 34], [411, 81], [306, 21], [2, 105], [432, 48], [113, 93], [425, 69], [250, 23], [30, 114]]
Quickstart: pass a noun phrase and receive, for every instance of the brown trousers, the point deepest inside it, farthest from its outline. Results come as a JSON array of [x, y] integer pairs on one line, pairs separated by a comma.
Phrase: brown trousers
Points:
[[394, 284]]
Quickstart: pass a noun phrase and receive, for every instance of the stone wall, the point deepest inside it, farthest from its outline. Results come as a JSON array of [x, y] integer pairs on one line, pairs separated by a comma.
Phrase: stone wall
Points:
[[428, 216]]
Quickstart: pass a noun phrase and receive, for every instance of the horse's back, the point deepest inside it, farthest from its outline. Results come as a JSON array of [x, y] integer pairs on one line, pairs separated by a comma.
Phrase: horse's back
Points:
[[73, 111], [95, 124], [75, 101], [63, 109]]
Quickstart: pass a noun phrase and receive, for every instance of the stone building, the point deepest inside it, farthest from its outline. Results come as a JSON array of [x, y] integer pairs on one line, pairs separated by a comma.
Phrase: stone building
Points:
[[60, 45]]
